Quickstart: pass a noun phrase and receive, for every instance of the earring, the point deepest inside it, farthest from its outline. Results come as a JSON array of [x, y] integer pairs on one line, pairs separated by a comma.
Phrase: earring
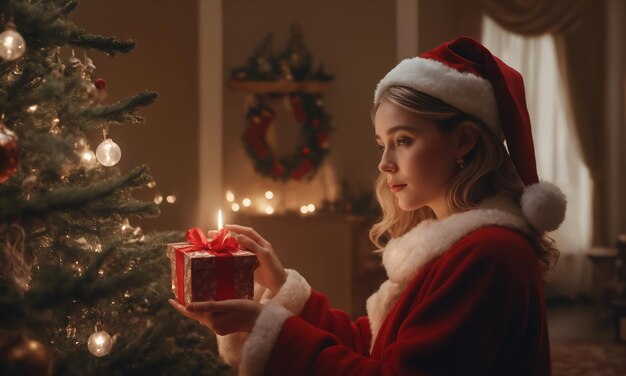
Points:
[[460, 162]]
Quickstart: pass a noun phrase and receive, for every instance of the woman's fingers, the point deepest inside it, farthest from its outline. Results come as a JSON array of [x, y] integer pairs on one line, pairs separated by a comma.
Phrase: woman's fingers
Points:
[[250, 244], [218, 306], [181, 308], [207, 306], [249, 232]]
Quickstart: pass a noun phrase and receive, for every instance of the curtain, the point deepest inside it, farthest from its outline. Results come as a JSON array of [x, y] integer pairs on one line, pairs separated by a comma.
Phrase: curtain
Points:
[[558, 152], [578, 30]]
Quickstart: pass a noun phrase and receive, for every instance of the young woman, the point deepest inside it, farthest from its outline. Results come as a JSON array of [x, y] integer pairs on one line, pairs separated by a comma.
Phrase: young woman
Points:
[[462, 237]]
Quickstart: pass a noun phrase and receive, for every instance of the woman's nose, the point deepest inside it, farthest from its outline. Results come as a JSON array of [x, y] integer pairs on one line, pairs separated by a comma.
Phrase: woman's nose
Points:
[[386, 164]]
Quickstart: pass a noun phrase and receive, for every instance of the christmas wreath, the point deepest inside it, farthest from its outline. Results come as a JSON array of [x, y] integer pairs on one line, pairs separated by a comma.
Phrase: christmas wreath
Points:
[[310, 150], [289, 75]]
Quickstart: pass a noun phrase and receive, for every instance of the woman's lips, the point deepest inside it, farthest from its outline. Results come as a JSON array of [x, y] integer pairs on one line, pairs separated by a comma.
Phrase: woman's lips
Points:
[[397, 187]]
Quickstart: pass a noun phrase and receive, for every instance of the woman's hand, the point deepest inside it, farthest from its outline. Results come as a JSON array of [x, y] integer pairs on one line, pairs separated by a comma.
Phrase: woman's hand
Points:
[[224, 316], [271, 273]]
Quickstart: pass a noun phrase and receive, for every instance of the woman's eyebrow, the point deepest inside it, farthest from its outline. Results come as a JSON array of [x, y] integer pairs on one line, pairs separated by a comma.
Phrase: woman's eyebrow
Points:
[[398, 128]]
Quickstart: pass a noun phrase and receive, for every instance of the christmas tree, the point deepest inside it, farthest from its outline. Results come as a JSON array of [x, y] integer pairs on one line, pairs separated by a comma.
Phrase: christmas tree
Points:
[[82, 291]]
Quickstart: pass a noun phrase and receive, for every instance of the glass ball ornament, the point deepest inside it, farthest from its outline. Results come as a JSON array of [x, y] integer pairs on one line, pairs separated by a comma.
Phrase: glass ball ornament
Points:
[[100, 343], [108, 153], [12, 44]]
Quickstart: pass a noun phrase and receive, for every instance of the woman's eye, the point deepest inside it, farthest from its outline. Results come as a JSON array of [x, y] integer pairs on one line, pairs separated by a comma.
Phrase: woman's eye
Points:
[[381, 148], [403, 141]]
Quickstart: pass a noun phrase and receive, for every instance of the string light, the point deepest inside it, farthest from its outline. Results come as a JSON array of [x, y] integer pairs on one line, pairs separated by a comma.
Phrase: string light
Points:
[[246, 202], [311, 208], [171, 199], [230, 197], [235, 207], [269, 195], [269, 209], [304, 209], [89, 159], [158, 199]]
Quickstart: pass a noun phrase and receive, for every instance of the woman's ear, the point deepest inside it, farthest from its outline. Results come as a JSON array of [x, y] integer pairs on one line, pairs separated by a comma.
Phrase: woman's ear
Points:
[[466, 138]]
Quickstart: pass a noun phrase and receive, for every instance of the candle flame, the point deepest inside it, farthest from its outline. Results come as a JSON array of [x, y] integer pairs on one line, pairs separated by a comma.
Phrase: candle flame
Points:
[[219, 219]]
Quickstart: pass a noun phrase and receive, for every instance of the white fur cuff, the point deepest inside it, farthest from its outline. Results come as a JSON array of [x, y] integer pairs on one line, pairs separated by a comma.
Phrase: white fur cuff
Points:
[[260, 342], [293, 295]]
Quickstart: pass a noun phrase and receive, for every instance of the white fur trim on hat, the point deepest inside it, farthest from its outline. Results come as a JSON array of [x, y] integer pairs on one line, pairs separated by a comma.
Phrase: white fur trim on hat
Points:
[[544, 206], [259, 345], [466, 91]]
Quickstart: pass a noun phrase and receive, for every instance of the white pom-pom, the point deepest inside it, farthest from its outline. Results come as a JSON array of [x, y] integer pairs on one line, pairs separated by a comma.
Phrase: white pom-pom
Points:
[[544, 205]]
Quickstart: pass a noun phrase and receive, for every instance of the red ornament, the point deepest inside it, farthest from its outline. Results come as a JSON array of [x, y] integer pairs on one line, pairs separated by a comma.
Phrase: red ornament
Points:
[[306, 151], [100, 84], [9, 153]]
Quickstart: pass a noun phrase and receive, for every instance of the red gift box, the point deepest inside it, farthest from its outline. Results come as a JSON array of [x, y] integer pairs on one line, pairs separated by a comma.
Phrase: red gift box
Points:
[[214, 269]]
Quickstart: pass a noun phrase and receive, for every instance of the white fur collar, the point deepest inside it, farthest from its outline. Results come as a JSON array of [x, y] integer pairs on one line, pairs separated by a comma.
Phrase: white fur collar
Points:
[[405, 255]]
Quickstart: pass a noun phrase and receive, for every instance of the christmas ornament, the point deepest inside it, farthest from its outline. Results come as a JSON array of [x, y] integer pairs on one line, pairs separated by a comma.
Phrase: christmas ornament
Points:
[[100, 342], [108, 152], [9, 153], [74, 65], [12, 45], [23, 356], [88, 68], [100, 84]]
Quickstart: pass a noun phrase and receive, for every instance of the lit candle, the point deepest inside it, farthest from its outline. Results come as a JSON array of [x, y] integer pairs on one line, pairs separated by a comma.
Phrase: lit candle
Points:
[[219, 219]]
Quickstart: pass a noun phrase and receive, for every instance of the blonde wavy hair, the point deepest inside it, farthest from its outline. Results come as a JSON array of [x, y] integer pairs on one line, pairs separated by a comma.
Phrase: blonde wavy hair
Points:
[[488, 170]]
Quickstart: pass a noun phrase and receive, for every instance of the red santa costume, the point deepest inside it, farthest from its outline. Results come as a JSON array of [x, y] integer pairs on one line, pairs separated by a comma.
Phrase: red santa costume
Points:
[[464, 294]]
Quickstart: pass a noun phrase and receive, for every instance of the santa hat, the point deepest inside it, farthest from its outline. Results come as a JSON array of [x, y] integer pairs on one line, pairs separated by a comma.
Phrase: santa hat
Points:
[[464, 74]]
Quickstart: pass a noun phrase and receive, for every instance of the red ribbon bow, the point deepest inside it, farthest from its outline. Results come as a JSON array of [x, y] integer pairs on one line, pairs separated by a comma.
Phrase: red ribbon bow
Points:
[[221, 242]]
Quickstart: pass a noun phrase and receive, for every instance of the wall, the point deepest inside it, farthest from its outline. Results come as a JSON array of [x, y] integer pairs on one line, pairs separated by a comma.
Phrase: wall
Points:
[[443, 20]]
